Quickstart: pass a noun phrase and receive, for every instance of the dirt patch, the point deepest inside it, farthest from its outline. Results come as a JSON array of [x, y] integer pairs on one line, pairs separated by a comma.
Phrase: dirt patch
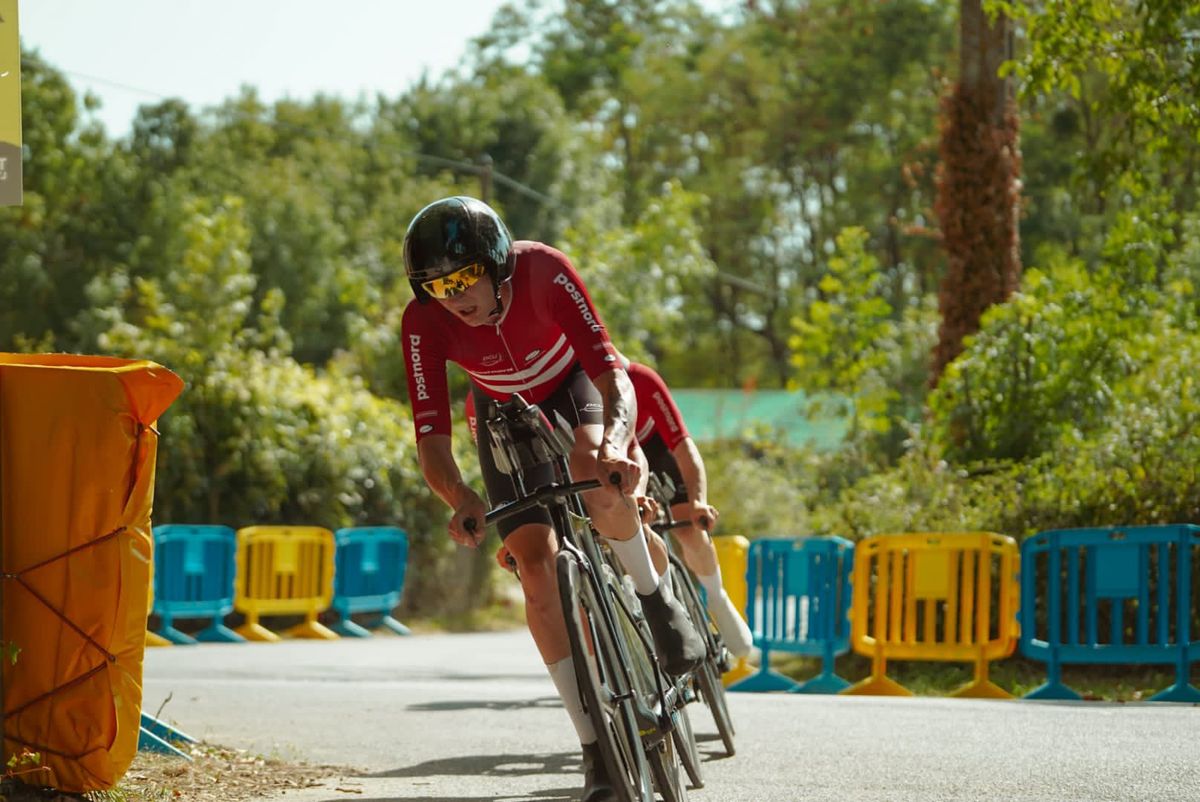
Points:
[[215, 774]]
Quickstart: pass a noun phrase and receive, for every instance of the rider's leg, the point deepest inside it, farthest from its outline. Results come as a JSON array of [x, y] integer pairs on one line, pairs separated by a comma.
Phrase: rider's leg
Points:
[[531, 542], [534, 546], [616, 518], [701, 557]]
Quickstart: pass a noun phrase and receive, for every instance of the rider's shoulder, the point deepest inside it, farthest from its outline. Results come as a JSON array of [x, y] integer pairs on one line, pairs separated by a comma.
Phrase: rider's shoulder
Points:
[[535, 256]]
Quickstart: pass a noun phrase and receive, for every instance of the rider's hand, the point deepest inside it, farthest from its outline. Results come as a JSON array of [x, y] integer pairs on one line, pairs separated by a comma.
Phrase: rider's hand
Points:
[[470, 509], [611, 465], [648, 507], [703, 516]]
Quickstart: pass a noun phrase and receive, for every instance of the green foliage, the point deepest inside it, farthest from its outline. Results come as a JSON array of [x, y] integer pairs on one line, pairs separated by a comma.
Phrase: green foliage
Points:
[[833, 346], [755, 482], [1048, 359], [1145, 52], [1103, 433], [749, 199], [851, 343], [644, 278], [258, 437], [1125, 76]]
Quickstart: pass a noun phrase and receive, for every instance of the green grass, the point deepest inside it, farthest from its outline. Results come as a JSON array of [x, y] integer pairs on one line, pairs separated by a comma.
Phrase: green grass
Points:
[[1018, 676]]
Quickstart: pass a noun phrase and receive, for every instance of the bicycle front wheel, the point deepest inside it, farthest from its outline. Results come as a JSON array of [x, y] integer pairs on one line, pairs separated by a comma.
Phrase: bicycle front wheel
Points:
[[708, 675], [650, 685], [604, 684]]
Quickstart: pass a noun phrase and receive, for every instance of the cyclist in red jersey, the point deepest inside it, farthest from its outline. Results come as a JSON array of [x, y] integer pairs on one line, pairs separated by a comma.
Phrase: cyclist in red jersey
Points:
[[518, 319], [669, 449]]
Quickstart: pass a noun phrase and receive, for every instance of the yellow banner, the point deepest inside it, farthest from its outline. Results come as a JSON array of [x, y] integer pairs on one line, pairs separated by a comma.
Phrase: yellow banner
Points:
[[10, 105]]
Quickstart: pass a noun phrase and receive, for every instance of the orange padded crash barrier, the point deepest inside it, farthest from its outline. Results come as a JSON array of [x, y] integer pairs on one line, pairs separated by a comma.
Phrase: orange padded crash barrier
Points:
[[153, 638], [77, 458], [935, 596], [284, 570]]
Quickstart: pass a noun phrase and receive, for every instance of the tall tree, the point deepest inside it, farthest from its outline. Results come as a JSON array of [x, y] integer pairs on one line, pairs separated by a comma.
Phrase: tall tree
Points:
[[978, 184]]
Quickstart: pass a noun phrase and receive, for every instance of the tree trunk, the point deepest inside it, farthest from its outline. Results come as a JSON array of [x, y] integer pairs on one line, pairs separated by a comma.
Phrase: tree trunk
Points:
[[978, 185]]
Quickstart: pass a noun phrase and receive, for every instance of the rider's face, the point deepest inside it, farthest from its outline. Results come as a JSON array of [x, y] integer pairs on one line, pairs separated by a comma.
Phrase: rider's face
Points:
[[474, 306]]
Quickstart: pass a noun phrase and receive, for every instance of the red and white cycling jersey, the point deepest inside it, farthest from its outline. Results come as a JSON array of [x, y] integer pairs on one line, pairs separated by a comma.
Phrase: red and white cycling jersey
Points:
[[656, 410], [548, 326]]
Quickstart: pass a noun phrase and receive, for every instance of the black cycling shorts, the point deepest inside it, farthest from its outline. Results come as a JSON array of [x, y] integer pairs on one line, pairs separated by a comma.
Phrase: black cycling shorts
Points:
[[578, 401], [661, 460]]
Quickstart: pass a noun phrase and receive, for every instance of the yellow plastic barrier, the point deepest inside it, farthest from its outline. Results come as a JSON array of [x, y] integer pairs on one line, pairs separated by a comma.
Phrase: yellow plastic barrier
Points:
[[77, 457], [731, 557], [935, 596], [284, 570]]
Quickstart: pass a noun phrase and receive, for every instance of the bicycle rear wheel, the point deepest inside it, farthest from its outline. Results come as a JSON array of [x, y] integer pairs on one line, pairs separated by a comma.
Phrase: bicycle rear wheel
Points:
[[685, 744], [603, 682], [708, 675]]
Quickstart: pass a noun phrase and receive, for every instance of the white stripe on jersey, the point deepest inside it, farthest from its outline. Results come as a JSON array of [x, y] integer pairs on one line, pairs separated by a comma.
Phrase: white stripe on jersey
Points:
[[532, 370], [644, 433], [506, 387]]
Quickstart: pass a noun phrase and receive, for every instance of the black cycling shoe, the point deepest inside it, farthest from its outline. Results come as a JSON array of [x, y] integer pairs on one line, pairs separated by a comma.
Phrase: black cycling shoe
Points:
[[596, 785], [679, 646]]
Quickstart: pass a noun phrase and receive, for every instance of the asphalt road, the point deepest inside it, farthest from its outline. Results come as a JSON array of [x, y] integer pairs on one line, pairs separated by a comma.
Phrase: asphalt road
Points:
[[474, 718]]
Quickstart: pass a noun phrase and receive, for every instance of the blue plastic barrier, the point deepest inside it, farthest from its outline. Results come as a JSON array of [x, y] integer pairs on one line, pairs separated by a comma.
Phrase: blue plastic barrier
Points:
[[798, 601], [369, 577], [194, 570], [1140, 575]]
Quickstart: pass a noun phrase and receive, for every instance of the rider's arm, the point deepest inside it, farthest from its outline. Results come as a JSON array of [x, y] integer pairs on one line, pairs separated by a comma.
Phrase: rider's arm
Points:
[[691, 468], [620, 410], [441, 470]]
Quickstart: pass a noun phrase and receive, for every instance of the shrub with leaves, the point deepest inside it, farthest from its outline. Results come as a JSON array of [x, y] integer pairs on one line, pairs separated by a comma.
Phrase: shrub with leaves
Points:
[[257, 437]]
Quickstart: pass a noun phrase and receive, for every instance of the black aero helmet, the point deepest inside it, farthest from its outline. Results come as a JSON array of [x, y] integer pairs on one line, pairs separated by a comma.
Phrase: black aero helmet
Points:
[[452, 233]]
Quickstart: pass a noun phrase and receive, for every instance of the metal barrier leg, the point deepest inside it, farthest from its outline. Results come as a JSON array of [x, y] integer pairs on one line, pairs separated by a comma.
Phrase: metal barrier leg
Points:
[[158, 736], [879, 683], [312, 629], [981, 687], [827, 681], [154, 639], [167, 630], [394, 625], [164, 730], [349, 629], [1053, 688], [764, 680], [217, 632], [252, 630], [1182, 690], [149, 742]]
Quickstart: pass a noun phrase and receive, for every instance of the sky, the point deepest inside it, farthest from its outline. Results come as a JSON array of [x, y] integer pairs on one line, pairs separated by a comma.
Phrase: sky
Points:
[[132, 52]]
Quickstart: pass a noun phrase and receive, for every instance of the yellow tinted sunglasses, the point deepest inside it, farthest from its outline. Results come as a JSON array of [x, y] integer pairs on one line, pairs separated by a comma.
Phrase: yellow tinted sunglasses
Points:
[[454, 283]]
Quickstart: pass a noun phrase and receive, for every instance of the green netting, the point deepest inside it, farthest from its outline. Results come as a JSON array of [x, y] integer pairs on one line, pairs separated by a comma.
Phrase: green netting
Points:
[[714, 414]]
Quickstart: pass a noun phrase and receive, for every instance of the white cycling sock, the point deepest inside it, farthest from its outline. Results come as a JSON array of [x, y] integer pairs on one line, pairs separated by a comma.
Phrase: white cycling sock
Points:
[[634, 557], [562, 674]]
